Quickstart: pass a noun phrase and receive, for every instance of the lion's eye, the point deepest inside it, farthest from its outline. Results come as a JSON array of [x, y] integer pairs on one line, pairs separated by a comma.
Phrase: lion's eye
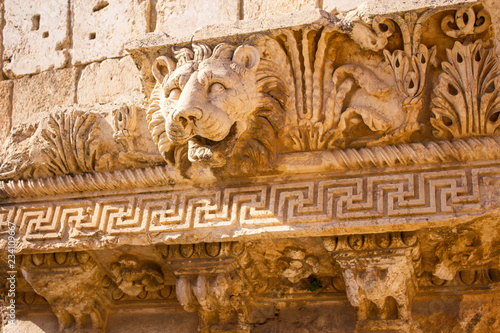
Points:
[[216, 88], [174, 93]]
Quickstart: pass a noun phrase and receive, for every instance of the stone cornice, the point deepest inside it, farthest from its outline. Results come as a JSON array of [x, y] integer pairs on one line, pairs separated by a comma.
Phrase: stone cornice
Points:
[[424, 155]]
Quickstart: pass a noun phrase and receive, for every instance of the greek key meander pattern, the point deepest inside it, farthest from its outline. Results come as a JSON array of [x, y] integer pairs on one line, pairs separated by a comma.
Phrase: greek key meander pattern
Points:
[[404, 196]]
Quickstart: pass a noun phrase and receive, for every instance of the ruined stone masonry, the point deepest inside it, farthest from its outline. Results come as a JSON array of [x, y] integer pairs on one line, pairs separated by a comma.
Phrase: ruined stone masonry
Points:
[[250, 166]]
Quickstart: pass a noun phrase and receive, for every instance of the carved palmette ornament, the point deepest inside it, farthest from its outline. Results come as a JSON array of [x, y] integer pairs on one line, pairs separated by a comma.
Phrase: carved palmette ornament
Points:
[[467, 96]]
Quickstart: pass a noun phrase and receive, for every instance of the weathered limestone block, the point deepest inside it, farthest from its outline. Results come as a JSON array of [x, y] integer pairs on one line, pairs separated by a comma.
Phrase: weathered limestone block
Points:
[[108, 80], [35, 36], [39, 93], [182, 17], [100, 28], [262, 8], [341, 5], [5, 108], [380, 7]]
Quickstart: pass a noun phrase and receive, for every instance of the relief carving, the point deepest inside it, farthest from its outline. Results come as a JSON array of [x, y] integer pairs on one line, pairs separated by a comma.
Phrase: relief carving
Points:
[[134, 277], [124, 125], [293, 106], [352, 104], [467, 95], [126, 131], [62, 143], [296, 265], [73, 145], [220, 108], [230, 110], [466, 22], [76, 140]]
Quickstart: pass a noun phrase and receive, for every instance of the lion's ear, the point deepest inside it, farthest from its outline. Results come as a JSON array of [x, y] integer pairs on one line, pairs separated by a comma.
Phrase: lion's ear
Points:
[[162, 67], [247, 56]]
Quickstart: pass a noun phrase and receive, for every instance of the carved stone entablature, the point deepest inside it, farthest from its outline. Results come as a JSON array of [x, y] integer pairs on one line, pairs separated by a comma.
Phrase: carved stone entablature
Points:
[[380, 273], [241, 105], [71, 284], [325, 165]]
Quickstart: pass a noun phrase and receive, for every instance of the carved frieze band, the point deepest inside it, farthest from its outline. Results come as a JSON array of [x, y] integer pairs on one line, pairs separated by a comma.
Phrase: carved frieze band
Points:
[[471, 149], [375, 199]]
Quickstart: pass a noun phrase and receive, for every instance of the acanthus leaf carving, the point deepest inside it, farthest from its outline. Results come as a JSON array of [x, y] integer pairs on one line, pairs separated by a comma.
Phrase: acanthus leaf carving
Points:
[[63, 142], [467, 95], [72, 143]]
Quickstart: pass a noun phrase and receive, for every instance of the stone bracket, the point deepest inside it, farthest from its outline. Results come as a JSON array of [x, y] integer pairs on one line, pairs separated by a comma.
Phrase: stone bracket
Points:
[[71, 284], [379, 272], [217, 281]]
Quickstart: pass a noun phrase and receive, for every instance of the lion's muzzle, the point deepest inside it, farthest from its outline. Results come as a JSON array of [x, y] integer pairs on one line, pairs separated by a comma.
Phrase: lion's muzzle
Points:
[[184, 124]]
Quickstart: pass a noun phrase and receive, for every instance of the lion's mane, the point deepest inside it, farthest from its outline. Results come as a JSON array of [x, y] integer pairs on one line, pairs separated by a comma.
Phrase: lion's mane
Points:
[[257, 146]]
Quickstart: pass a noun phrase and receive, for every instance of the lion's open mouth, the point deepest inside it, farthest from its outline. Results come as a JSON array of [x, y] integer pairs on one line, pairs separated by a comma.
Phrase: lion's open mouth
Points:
[[213, 153]]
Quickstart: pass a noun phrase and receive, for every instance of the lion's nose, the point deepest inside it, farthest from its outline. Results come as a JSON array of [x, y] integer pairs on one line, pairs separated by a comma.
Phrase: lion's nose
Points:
[[186, 116]]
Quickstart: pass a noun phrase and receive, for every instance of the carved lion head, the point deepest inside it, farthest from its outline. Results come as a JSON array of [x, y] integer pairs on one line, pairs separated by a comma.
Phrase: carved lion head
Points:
[[224, 108]]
